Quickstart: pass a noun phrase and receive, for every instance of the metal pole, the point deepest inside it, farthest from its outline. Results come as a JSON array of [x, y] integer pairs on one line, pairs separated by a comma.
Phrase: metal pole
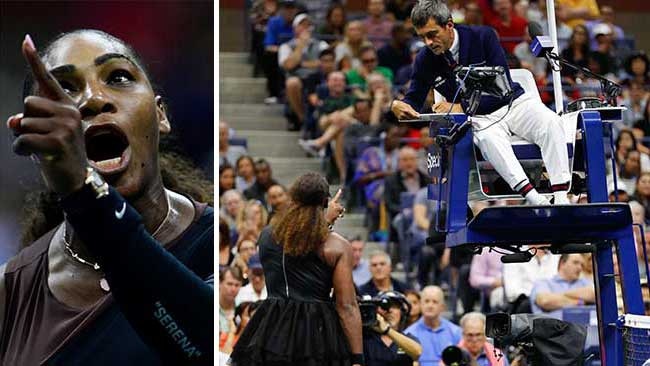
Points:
[[557, 81]]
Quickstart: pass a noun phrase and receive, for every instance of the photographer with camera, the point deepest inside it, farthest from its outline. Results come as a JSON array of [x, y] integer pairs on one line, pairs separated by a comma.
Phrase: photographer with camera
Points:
[[383, 342]]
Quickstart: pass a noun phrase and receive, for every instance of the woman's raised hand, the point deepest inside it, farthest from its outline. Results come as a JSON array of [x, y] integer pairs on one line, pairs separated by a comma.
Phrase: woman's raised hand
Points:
[[50, 128]]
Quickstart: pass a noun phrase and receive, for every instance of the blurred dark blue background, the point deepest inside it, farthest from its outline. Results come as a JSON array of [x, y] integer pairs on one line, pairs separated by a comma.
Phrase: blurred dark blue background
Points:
[[175, 40]]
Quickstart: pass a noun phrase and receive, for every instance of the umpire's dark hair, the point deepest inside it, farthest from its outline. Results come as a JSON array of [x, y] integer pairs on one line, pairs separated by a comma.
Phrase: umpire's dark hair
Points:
[[430, 9]]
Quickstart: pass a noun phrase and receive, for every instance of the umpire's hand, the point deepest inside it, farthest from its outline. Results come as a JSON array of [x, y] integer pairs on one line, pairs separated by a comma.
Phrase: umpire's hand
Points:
[[403, 110]]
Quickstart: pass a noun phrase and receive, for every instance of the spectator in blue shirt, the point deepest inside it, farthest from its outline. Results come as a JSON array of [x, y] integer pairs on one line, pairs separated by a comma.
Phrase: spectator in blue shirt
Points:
[[381, 281], [360, 267], [278, 31], [566, 289], [433, 331]]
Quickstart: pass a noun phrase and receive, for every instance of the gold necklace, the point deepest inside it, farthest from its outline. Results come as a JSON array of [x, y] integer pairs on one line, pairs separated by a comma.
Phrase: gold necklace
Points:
[[103, 284]]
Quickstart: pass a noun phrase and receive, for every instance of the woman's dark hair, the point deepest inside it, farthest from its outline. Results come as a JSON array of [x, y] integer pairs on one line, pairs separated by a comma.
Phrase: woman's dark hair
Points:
[[623, 171], [245, 157], [412, 292], [586, 47], [222, 169], [636, 191], [239, 310], [637, 56], [329, 26], [224, 233], [626, 132], [42, 212], [301, 228]]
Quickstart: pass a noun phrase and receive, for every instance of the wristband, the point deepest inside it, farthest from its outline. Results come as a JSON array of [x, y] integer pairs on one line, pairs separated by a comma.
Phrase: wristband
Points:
[[357, 358], [386, 331]]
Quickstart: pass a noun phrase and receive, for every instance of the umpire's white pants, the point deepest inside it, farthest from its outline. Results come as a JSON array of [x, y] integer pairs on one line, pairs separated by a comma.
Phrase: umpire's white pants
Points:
[[530, 119]]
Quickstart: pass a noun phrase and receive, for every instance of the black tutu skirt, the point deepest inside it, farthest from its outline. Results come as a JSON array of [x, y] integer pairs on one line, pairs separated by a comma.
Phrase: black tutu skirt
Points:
[[290, 332]]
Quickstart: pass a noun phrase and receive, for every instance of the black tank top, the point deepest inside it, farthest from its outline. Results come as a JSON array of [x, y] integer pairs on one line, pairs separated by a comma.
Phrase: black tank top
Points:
[[304, 278]]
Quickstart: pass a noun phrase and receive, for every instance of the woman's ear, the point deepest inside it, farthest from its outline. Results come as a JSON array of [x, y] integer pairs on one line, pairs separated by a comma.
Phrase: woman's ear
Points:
[[161, 111]]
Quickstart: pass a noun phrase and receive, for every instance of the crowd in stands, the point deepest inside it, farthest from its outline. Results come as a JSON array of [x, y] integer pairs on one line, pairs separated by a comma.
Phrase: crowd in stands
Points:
[[337, 72]]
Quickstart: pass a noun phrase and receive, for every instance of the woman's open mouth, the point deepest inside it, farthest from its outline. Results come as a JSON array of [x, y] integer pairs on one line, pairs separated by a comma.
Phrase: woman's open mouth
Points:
[[107, 148]]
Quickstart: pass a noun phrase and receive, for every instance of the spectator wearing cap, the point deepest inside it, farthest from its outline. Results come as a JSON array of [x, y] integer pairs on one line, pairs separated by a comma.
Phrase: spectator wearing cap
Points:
[[603, 54], [565, 289], [574, 12], [278, 31], [360, 267], [378, 25], [256, 288], [404, 73], [396, 54], [380, 269], [299, 58], [606, 17], [507, 24]]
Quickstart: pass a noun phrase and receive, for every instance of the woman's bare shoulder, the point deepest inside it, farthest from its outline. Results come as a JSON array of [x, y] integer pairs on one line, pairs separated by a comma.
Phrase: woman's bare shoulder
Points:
[[335, 246]]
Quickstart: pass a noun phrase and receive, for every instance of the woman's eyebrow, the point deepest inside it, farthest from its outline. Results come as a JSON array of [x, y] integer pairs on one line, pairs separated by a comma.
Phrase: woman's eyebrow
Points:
[[100, 60], [63, 70]]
